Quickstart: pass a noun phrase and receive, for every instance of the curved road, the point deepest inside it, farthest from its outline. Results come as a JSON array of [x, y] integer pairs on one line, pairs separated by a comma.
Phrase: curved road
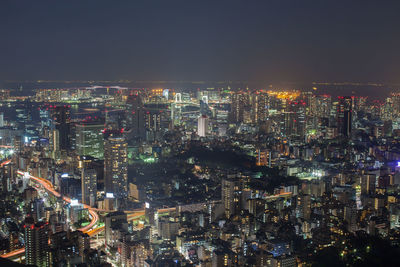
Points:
[[49, 187], [92, 211]]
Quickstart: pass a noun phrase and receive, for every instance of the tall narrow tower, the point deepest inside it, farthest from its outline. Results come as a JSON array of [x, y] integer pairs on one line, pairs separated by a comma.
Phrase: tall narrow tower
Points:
[[116, 166], [344, 115], [36, 243]]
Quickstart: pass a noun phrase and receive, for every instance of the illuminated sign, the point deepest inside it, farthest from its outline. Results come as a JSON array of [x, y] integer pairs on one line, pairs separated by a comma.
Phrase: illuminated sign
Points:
[[74, 202]]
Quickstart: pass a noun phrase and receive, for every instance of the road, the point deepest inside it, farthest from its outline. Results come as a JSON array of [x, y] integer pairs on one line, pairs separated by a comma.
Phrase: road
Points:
[[92, 211], [5, 163], [130, 217], [50, 188]]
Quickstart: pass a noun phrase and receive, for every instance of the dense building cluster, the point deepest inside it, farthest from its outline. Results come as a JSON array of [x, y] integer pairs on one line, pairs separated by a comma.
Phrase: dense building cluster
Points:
[[100, 176]]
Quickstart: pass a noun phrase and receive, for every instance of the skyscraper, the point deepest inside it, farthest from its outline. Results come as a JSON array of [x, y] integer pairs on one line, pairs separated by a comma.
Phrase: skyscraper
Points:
[[36, 243], [114, 222], [136, 120], [304, 206], [239, 101], [231, 195], [62, 121], [295, 119], [260, 107], [116, 166], [344, 115], [54, 142], [89, 139], [89, 186], [202, 126]]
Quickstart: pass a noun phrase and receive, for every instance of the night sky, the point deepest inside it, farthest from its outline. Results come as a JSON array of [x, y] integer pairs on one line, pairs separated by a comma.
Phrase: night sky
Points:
[[251, 40]]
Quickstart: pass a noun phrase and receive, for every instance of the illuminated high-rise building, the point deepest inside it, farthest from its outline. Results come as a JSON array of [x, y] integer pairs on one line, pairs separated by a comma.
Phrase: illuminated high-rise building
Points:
[[62, 120], [89, 186], [1, 119], [239, 102], [396, 104], [54, 142], [116, 166], [344, 115], [7, 177], [135, 115], [89, 139], [368, 182], [202, 126], [152, 120], [295, 119], [36, 243], [304, 206], [311, 104], [231, 196], [114, 222], [260, 107], [323, 106]]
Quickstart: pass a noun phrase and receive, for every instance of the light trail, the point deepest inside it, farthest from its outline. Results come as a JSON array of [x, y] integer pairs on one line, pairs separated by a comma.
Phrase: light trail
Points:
[[132, 215], [14, 253], [5, 163], [49, 187]]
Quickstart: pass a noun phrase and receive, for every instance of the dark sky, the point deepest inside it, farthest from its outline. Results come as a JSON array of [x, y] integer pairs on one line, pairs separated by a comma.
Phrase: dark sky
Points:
[[266, 40]]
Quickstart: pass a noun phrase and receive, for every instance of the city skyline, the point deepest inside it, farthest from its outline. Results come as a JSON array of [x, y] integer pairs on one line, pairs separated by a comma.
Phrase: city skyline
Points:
[[188, 133]]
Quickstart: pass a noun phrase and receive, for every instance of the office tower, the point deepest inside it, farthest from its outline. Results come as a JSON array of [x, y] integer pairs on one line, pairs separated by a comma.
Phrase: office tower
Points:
[[134, 253], [36, 209], [260, 107], [62, 120], [89, 186], [45, 118], [202, 126], [24, 115], [323, 106], [344, 115], [395, 97], [152, 120], [36, 243], [114, 223], [311, 103], [387, 110], [168, 227], [203, 104], [256, 206], [116, 166], [204, 108], [231, 195], [83, 245], [350, 216], [368, 183], [54, 143], [240, 101], [295, 119], [360, 103], [89, 139], [304, 206], [135, 116], [116, 119]]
